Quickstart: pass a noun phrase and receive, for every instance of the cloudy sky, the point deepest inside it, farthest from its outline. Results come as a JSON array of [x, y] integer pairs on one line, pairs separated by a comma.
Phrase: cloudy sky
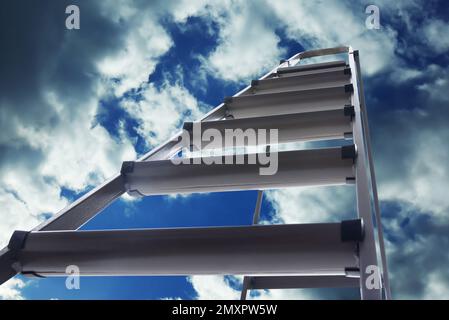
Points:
[[75, 103]]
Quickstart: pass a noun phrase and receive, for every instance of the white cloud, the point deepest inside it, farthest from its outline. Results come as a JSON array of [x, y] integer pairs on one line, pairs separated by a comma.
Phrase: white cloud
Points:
[[217, 287], [413, 167], [145, 43], [213, 288], [10, 290], [162, 110], [74, 155], [436, 288], [247, 44], [22, 199], [425, 181], [332, 23], [435, 34], [312, 205]]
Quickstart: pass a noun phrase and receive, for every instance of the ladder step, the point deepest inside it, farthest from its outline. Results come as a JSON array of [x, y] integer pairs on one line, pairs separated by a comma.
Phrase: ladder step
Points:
[[297, 282], [308, 126], [317, 72], [315, 167], [301, 81], [309, 100], [312, 66], [255, 250]]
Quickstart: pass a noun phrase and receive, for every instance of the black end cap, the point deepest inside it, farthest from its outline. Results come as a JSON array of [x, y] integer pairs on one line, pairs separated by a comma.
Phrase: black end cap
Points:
[[349, 111], [254, 83], [127, 167], [352, 230], [347, 71], [227, 100], [350, 180], [356, 53], [348, 152], [349, 88], [188, 126], [17, 241]]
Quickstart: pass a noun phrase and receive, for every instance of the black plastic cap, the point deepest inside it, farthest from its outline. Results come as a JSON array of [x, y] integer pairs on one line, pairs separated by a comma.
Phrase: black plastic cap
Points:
[[127, 167], [348, 152], [349, 88], [350, 180], [227, 100], [356, 53], [347, 71], [254, 83], [188, 126], [352, 230], [349, 111], [17, 241]]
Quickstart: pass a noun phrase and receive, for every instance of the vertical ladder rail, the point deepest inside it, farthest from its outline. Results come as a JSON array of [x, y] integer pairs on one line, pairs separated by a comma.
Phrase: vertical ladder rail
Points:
[[380, 236], [368, 255]]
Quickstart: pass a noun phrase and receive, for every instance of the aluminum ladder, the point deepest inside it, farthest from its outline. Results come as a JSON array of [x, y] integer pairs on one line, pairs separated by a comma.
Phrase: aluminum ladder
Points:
[[320, 101]]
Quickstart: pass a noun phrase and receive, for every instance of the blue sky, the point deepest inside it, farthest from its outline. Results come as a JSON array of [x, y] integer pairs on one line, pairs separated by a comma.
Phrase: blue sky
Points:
[[75, 103]]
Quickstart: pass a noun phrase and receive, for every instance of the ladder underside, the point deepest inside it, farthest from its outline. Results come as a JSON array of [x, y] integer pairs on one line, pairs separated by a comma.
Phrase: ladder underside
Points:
[[304, 103]]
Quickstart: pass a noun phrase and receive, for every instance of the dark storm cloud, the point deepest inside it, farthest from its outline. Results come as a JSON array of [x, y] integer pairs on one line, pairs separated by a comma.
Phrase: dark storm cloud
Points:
[[39, 55]]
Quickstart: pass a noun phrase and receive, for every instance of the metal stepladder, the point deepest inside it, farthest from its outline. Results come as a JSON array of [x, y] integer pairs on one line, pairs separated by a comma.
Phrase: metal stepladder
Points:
[[305, 103]]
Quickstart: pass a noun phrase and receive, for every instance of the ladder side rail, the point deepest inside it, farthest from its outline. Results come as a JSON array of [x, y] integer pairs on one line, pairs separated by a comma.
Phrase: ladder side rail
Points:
[[368, 255], [377, 211]]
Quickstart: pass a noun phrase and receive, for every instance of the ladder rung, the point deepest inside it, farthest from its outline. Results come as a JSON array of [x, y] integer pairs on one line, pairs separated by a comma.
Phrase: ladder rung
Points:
[[256, 250], [326, 78], [315, 167], [306, 73], [297, 282], [312, 66], [309, 100], [308, 126]]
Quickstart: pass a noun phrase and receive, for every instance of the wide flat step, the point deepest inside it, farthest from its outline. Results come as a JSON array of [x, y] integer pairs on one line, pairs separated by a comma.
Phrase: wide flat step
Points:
[[255, 250], [313, 167], [311, 66], [308, 126], [301, 81], [308, 100]]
